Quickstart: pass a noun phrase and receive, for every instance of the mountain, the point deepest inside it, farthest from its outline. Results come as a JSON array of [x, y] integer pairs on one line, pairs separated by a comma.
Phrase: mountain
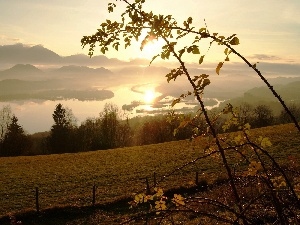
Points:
[[39, 55], [21, 71], [73, 69], [98, 61], [283, 80], [290, 93], [22, 54]]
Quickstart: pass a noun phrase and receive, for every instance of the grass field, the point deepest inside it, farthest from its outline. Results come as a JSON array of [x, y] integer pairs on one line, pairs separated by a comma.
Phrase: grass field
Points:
[[67, 179]]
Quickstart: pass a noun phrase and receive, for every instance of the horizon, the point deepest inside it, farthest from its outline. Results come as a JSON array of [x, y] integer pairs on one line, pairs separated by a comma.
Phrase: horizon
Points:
[[270, 29], [268, 35]]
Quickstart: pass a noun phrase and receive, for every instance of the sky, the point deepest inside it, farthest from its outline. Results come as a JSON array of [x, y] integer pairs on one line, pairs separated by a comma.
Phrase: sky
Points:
[[268, 30]]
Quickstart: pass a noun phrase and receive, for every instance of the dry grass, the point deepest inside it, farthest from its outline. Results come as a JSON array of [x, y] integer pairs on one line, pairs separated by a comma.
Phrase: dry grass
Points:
[[67, 179]]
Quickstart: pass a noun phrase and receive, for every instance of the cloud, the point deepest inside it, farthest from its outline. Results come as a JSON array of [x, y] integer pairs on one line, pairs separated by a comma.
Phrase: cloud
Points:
[[265, 57], [9, 40]]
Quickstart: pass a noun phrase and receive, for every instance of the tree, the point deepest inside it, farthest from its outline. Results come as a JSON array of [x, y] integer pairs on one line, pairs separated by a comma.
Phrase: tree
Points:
[[89, 135], [284, 117], [15, 141], [262, 116], [5, 120], [61, 138], [261, 167], [124, 134], [109, 126]]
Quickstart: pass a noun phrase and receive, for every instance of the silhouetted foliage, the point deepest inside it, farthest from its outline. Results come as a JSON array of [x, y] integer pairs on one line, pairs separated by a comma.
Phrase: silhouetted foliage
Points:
[[15, 141], [62, 132], [285, 118], [262, 116], [245, 159]]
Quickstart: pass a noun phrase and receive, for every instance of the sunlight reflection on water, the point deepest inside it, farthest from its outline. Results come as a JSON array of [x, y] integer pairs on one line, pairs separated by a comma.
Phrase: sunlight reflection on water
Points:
[[36, 115]]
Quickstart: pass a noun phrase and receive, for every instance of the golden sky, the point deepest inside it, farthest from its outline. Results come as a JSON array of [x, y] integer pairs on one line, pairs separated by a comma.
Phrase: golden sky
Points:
[[268, 29]]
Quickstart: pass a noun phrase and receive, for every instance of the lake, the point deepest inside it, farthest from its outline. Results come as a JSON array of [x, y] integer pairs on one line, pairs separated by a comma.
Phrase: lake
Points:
[[36, 115]]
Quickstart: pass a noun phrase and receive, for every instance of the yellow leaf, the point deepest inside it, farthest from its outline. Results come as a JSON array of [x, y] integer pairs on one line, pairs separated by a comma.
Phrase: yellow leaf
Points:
[[175, 102], [278, 182], [159, 191], [178, 200], [202, 29], [201, 59], [226, 51], [234, 41], [219, 67], [264, 142], [160, 205], [254, 167]]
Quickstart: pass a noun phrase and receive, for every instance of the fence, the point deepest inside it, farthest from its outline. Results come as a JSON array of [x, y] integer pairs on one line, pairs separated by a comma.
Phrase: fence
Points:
[[43, 198]]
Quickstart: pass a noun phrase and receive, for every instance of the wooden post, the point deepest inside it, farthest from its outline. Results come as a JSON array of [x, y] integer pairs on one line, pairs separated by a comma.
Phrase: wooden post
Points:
[[147, 186], [197, 178], [154, 179], [94, 195], [37, 199]]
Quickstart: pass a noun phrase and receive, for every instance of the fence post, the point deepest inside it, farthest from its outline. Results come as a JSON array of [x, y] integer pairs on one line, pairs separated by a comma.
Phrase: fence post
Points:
[[154, 179], [37, 199], [197, 178], [94, 195], [147, 186]]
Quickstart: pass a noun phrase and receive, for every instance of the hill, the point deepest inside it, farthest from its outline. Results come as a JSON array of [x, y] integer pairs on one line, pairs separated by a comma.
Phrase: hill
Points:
[[22, 71], [22, 54], [24, 82], [67, 179], [290, 93]]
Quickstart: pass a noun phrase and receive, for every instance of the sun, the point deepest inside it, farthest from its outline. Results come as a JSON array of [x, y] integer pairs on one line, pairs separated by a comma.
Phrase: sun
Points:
[[152, 48], [149, 96]]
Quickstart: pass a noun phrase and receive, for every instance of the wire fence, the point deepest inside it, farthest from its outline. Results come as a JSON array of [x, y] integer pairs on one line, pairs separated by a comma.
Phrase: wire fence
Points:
[[63, 194]]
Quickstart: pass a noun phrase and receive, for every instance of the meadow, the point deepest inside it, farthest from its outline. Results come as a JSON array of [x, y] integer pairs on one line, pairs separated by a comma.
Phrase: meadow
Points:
[[67, 179]]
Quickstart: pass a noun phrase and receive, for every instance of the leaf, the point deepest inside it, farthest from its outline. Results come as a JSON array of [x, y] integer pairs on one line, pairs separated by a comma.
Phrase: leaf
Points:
[[206, 82], [201, 59], [234, 41], [181, 52], [178, 200], [226, 51], [202, 29], [238, 139], [175, 102], [102, 50], [254, 167], [264, 142], [160, 206], [219, 67], [153, 58], [196, 50], [159, 192], [254, 65], [278, 182]]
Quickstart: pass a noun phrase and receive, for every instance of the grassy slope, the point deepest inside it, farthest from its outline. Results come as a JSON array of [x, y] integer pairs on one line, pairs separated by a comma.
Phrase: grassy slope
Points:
[[67, 179]]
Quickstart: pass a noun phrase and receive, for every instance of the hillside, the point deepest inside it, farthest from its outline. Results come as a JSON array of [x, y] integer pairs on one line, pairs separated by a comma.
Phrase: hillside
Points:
[[67, 179], [290, 93]]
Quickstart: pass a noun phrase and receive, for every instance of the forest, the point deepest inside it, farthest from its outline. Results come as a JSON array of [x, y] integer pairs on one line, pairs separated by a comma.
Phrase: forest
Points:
[[111, 130]]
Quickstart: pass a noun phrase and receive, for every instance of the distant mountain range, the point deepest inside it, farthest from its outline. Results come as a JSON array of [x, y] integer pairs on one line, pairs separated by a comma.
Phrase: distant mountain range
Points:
[[22, 82], [30, 72], [20, 63], [38, 55]]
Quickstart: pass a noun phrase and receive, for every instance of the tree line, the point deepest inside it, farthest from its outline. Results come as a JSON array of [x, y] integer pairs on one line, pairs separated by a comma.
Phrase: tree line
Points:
[[110, 130]]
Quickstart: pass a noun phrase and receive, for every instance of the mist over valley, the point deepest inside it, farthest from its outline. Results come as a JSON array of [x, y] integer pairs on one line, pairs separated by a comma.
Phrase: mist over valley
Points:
[[34, 79]]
